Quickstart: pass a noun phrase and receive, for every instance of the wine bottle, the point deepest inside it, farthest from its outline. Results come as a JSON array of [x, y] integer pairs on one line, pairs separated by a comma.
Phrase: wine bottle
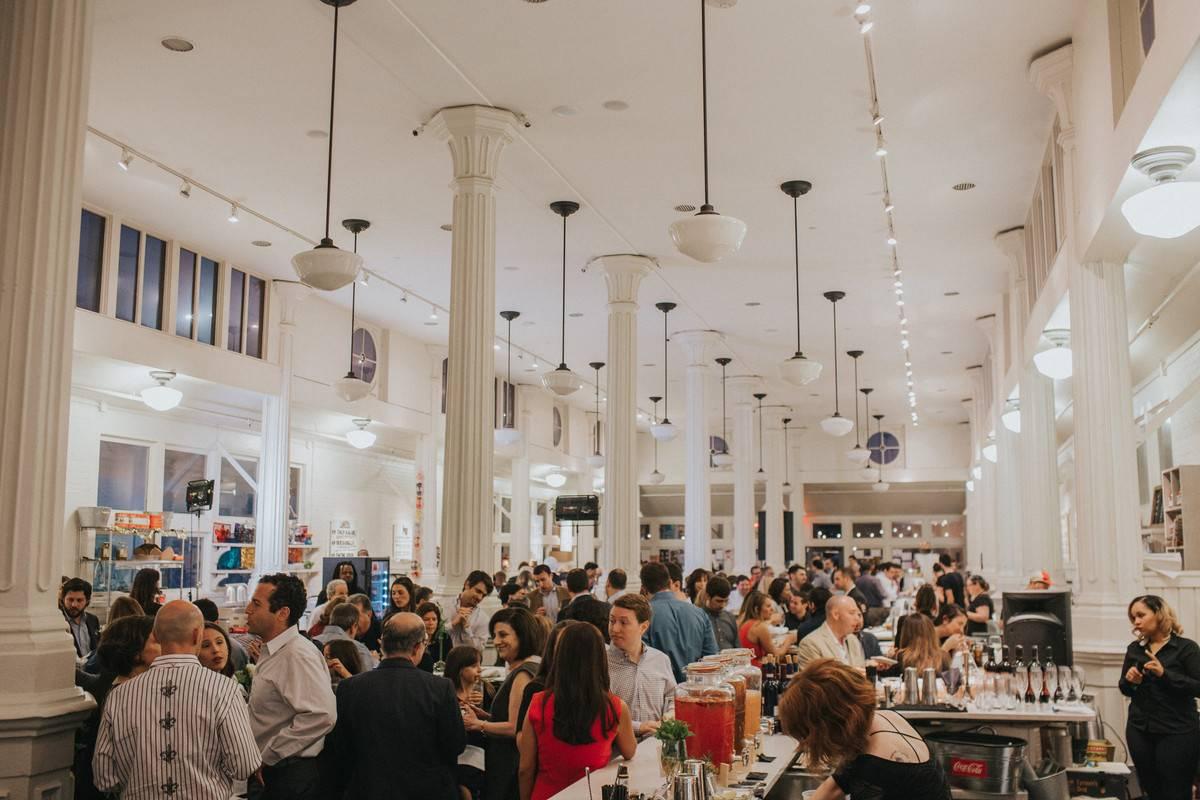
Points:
[[769, 686], [1006, 666], [1031, 670], [990, 665], [1052, 669]]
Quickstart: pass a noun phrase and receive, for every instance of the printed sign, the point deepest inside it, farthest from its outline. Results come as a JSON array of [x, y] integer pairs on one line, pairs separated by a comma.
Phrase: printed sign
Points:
[[968, 767]]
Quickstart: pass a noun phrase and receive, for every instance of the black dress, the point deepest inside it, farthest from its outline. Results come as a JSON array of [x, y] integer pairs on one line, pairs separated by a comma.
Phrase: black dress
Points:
[[501, 757], [979, 602], [870, 777]]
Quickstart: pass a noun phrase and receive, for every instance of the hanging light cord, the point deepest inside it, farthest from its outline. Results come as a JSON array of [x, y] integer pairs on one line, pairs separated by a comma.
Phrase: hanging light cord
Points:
[[666, 384], [760, 446], [509, 380], [796, 248], [563, 351], [596, 428], [724, 434], [332, 97], [353, 304], [837, 408], [787, 470], [704, 91], [857, 443], [655, 439]]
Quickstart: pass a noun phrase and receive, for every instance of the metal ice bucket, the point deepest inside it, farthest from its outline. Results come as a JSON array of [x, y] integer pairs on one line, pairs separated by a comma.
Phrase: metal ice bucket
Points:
[[979, 762]]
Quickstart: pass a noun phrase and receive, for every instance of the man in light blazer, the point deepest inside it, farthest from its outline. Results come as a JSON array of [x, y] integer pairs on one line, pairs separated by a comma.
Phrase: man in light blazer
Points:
[[835, 639]]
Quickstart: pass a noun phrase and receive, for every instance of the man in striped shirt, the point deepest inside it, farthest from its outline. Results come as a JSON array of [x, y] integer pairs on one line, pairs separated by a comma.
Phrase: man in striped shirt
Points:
[[179, 730]]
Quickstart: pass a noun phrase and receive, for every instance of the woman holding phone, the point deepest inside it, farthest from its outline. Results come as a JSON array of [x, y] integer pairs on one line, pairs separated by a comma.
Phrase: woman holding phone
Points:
[[1161, 676]]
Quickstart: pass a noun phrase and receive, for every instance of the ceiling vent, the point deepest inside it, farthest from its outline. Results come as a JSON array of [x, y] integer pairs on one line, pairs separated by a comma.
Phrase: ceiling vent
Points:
[[685, 208], [965, 186]]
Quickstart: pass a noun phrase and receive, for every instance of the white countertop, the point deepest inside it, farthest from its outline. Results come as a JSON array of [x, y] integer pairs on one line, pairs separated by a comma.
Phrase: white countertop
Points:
[[645, 775], [1063, 713]]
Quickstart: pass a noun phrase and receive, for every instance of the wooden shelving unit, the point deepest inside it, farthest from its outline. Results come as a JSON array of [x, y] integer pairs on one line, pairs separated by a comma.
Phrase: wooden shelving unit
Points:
[[1180, 500]]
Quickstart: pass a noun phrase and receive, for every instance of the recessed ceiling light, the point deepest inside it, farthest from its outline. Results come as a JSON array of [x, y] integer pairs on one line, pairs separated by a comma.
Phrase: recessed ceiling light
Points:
[[965, 186], [649, 365], [950, 294], [511, 269], [772, 330], [431, 324], [575, 314], [528, 323], [616, 105], [564, 111], [685, 208], [316, 133], [947, 352], [261, 243], [753, 303], [177, 44], [447, 227]]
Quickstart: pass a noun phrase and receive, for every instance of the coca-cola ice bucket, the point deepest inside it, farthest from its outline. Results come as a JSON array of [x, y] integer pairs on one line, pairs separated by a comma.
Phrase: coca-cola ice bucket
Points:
[[979, 762]]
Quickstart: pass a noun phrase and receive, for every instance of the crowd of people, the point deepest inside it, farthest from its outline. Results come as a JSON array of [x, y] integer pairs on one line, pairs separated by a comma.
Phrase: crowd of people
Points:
[[356, 706]]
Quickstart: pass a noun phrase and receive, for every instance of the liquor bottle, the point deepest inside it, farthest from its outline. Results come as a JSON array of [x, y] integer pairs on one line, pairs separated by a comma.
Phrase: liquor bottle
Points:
[[1032, 672], [769, 686]]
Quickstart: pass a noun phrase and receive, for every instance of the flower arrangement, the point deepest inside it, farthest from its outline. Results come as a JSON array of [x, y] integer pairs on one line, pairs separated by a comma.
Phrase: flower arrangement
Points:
[[245, 676], [673, 734]]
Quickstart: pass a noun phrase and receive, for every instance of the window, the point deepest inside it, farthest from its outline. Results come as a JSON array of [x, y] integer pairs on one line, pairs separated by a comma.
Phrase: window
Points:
[[293, 494], [196, 298], [247, 295], [1131, 32], [237, 496], [154, 273], [237, 307], [557, 429], [206, 306], [888, 452], [127, 273], [867, 530], [670, 531], [180, 467], [91, 261], [907, 530], [123, 473], [827, 530], [365, 356], [948, 528], [184, 324], [256, 295]]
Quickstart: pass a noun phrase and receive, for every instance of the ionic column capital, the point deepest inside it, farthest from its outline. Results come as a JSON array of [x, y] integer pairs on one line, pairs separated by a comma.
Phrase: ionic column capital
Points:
[[623, 273], [1052, 74], [289, 295], [742, 387], [476, 136], [696, 344], [1011, 243]]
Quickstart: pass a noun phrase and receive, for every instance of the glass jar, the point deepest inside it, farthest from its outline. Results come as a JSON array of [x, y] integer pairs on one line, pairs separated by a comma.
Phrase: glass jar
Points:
[[706, 703], [738, 681], [743, 665]]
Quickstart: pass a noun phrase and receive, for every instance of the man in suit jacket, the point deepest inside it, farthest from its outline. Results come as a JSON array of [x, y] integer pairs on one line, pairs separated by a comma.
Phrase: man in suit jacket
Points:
[[835, 639], [583, 606], [399, 730], [73, 599], [546, 599]]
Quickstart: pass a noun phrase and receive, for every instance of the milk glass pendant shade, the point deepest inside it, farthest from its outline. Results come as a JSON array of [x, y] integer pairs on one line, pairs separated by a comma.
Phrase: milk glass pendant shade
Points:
[[1011, 417], [989, 449], [880, 486], [351, 387], [970, 486], [561, 380], [664, 431], [360, 437], [977, 472], [1170, 208], [858, 454], [707, 236], [162, 397], [1056, 362], [556, 480], [326, 267], [507, 435], [867, 473], [798, 370], [656, 478], [837, 425]]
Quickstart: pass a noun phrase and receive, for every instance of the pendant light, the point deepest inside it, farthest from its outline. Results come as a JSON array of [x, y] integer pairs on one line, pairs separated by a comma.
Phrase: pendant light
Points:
[[798, 370], [351, 387], [507, 434], [761, 475], [1170, 208], [787, 471], [325, 266], [723, 459], [880, 485], [655, 477], [1011, 416], [596, 460], [858, 454], [663, 430], [561, 380], [360, 437], [707, 236], [836, 425], [1056, 362], [867, 473], [989, 449], [161, 397]]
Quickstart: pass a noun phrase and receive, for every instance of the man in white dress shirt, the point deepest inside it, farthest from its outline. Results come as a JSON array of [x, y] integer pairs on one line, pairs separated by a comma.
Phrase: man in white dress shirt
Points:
[[292, 706], [179, 729]]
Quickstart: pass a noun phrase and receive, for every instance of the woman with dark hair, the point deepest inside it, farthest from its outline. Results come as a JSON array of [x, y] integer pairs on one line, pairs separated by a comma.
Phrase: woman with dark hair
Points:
[[951, 624], [145, 590], [122, 606], [979, 605], [463, 664], [925, 602], [541, 680], [342, 659], [401, 597], [424, 594], [127, 649], [216, 652], [829, 708], [345, 570], [519, 642], [918, 646], [697, 579], [1161, 677], [754, 628], [576, 723], [438, 642]]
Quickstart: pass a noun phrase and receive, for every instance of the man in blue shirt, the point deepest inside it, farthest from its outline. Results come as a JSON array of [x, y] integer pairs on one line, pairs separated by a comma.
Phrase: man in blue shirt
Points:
[[678, 628]]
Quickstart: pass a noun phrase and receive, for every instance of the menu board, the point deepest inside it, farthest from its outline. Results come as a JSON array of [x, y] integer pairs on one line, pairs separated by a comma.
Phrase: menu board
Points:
[[343, 538]]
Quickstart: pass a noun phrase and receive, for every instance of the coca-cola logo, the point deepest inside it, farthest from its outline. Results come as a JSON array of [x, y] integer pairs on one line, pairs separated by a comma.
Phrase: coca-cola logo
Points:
[[968, 768]]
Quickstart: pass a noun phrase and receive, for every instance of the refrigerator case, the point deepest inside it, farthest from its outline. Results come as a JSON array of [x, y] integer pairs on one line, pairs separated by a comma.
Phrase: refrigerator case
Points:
[[374, 576]]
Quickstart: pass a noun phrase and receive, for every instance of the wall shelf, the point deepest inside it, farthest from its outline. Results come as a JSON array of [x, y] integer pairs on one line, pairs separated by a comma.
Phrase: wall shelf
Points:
[[231, 571], [1180, 499]]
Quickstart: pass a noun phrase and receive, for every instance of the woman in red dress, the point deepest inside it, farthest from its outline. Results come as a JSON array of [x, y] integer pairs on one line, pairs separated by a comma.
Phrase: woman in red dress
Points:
[[575, 722], [754, 628]]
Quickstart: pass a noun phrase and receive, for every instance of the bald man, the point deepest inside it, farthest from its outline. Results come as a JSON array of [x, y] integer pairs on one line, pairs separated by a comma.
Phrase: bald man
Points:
[[835, 639], [183, 729], [399, 730]]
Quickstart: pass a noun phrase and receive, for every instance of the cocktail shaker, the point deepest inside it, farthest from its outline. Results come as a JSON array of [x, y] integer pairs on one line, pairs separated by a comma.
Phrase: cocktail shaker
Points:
[[929, 687]]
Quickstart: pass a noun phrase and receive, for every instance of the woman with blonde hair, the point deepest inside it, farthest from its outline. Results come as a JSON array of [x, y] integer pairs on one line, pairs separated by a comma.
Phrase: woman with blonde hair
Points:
[[918, 646], [829, 708], [1161, 676]]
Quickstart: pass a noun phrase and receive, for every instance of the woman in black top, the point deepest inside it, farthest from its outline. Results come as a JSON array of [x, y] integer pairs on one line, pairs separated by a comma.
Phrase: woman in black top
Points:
[[438, 644], [1161, 676], [145, 590], [979, 606], [829, 708]]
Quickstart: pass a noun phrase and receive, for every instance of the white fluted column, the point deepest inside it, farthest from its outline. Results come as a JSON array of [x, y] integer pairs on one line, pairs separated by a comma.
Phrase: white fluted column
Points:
[[519, 547], [476, 136], [619, 544], [430, 467], [45, 55], [773, 458], [1053, 75], [1006, 488], [697, 502], [984, 528], [271, 498], [1040, 519], [745, 545]]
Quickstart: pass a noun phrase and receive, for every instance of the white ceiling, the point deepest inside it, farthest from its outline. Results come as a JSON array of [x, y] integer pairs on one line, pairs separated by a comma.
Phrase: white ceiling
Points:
[[787, 100]]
